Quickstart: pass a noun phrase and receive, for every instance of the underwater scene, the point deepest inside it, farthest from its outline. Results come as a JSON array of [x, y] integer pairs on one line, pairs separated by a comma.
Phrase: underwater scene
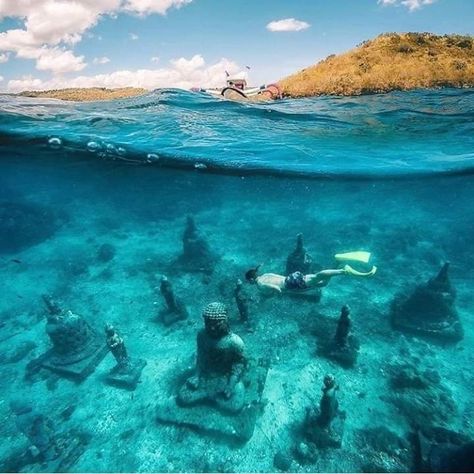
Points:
[[192, 284]]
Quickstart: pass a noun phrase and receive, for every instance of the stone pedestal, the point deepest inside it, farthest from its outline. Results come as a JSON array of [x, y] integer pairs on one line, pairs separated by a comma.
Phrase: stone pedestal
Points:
[[325, 436], [126, 375], [211, 420]]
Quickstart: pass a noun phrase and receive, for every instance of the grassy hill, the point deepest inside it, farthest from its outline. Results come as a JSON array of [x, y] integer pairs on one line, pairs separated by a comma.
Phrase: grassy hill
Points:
[[86, 94], [389, 62]]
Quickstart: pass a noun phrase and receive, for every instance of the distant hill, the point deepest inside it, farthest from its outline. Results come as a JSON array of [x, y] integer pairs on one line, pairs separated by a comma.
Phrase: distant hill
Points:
[[87, 94], [389, 62]]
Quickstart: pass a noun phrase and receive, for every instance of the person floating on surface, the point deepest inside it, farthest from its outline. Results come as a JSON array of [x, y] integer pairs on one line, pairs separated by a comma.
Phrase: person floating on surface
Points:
[[297, 281]]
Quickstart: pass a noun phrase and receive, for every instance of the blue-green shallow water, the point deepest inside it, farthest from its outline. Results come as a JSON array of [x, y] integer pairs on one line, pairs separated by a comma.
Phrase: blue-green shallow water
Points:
[[397, 182]]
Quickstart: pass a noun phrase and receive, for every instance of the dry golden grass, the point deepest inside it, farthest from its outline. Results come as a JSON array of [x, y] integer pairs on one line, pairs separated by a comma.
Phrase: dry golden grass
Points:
[[87, 94], [389, 62]]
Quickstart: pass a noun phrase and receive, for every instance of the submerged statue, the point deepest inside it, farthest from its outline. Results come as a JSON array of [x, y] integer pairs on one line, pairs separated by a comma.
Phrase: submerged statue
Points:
[[197, 254], [324, 426], [429, 310], [175, 308], [343, 347], [220, 365], [299, 260], [243, 300], [127, 371]]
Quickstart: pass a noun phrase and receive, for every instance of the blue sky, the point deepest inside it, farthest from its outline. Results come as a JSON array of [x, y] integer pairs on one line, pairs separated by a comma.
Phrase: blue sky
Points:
[[162, 43]]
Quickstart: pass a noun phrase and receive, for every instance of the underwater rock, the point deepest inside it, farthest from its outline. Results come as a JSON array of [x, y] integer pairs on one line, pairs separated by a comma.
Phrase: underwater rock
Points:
[[23, 224], [429, 310], [299, 260], [443, 450], [282, 461], [106, 253], [77, 348], [324, 426], [382, 450], [418, 393], [222, 397], [126, 373], [343, 347], [176, 310], [197, 255]]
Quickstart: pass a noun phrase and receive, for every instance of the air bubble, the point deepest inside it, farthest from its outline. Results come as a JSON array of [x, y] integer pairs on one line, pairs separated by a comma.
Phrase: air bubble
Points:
[[152, 157], [200, 166], [121, 151], [93, 147], [55, 143]]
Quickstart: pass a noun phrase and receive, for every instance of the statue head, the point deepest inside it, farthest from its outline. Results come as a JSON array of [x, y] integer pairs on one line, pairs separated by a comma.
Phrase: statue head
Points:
[[109, 329], [216, 319], [329, 381]]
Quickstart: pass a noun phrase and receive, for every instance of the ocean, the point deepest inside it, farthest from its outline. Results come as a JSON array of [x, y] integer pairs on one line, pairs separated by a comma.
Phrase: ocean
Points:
[[94, 201]]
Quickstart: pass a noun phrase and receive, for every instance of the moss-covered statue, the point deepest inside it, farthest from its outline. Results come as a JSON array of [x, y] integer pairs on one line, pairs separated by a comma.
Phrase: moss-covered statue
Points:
[[221, 395], [127, 371], [324, 425], [429, 310], [175, 308], [220, 364], [76, 347], [197, 254], [299, 260]]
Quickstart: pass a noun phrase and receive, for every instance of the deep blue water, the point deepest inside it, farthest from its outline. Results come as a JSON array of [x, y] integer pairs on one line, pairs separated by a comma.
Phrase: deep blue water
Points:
[[93, 203]]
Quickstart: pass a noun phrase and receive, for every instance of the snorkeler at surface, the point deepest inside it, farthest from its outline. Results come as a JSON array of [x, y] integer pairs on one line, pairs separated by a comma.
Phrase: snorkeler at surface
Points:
[[297, 281]]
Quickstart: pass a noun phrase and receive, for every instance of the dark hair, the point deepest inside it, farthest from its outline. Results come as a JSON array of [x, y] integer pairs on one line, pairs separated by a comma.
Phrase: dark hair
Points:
[[251, 275]]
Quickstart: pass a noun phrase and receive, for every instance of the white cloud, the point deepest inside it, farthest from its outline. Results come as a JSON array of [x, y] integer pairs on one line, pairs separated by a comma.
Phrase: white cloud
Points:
[[410, 4], [182, 73], [288, 24], [133, 36], [1, 78], [146, 7], [155, 59], [4, 57], [102, 60], [52, 24]]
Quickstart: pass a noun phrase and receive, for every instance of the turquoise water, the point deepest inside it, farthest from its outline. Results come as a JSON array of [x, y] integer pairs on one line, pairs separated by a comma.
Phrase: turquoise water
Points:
[[390, 174]]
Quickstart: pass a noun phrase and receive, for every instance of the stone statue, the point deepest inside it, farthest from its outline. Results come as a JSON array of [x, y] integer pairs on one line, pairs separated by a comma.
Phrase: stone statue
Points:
[[343, 347], [324, 426], [116, 345], [429, 310], [76, 347], [343, 327], [220, 364], [127, 371], [176, 309], [243, 300], [197, 254], [299, 260]]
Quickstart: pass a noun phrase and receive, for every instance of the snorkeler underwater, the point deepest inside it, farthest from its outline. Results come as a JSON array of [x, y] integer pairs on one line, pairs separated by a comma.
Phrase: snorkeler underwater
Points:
[[208, 267]]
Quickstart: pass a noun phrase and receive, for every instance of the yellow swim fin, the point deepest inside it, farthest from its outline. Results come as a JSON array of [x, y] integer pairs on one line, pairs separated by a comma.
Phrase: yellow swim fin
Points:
[[348, 270], [360, 256]]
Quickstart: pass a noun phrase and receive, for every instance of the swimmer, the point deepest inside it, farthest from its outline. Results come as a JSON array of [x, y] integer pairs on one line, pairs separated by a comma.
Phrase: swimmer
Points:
[[298, 282]]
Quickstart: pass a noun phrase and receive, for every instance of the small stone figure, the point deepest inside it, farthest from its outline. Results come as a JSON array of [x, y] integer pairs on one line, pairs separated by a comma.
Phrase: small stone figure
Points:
[[220, 364], [38, 429], [176, 309], [127, 372], [325, 426], [343, 347], [299, 260], [197, 255], [77, 349], [242, 299], [429, 310], [343, 327]]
